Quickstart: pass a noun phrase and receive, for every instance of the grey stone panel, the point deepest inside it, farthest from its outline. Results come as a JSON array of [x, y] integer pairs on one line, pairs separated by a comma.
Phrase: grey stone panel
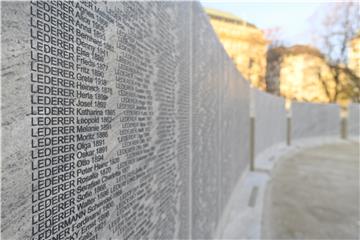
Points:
[[270, 120], [158, 136], [235, 125], [354, 119], [315, 120], [140, 192], [220, 107], [206, 83], [16, 122], [183, 18]]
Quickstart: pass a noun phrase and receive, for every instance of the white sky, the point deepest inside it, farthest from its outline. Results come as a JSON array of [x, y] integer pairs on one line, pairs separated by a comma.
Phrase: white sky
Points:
[[293, 18]]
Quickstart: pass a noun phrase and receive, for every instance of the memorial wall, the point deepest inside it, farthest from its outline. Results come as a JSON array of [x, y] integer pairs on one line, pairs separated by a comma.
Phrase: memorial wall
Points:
[[311, 120], [353, 123], [220, 120], [127, 120], [270, 120], [120, 120]]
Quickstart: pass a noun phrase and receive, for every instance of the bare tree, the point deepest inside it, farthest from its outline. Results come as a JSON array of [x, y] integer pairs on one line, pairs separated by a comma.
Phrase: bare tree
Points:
[[275, 36], [339, 23]]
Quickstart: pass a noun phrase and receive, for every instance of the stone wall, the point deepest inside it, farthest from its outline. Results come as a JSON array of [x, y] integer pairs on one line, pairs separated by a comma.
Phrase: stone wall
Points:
[[270, 121], [311, 120], [118, 121], [128, 120], [220, 107], [353, 122]]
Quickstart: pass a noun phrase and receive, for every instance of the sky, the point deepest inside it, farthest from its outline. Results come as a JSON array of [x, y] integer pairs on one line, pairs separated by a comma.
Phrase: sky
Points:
[[293, 18]]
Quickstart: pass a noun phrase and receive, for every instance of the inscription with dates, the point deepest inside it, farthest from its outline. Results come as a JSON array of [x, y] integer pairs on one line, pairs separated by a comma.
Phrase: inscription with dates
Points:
[[108, 103]]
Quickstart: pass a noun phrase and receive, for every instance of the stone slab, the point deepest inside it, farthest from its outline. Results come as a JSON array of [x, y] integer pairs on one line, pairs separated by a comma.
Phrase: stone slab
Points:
[[95, 120], [353, 123], [311, 120], [118, 122], [270, 121]]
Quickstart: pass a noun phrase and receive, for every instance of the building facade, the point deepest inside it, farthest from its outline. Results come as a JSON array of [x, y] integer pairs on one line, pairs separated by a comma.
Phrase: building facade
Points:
[[244, 43], [354, 54], [299, 73]]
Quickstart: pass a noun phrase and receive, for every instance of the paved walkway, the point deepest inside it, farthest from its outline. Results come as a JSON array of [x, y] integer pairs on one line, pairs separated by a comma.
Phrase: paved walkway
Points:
[[314, 194]]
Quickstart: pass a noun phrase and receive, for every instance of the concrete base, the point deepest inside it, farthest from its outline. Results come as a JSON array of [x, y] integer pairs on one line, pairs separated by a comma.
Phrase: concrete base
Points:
[[242, 219]]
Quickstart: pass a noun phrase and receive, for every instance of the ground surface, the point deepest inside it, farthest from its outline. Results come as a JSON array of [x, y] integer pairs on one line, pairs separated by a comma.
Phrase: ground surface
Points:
[[314, 194]]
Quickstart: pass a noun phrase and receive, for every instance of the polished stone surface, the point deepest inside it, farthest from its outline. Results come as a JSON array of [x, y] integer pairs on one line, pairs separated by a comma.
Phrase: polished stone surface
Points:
[[16, 122], [270, 120], [205, 132], [148, 129], [138, 165], [353, 122], [311, 120], [235, 124], [218, 90], [127, 120]]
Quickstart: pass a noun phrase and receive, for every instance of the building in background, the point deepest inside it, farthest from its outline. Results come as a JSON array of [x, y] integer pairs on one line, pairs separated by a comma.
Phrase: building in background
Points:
[[244, 43], [297, 73], [302, 73], [354, 54]]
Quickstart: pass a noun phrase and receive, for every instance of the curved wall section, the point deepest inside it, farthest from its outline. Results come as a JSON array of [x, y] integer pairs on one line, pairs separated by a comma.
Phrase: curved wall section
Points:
[[220, 109], [121, 120], [354, 120], [311, 120], [270, 120]]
